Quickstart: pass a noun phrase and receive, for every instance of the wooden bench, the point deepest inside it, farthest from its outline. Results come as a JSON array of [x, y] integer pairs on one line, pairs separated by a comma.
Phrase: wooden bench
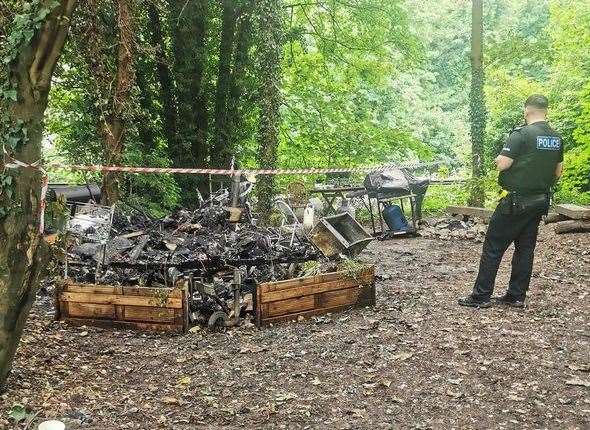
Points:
[[470, 211]]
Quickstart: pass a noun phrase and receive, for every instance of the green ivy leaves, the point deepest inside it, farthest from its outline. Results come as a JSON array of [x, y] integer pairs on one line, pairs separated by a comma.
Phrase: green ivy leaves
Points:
[[13, 134]]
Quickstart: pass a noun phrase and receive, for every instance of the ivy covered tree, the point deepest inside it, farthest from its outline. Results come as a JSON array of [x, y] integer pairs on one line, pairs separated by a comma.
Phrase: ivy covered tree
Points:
[[32, 37], [112, 71], [114, 126], [270, 49], [189, 24], [477, 106]]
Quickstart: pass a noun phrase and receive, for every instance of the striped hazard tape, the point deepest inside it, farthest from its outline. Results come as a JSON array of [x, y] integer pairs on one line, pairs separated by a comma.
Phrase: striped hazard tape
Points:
[[11, 163], [231, 172]]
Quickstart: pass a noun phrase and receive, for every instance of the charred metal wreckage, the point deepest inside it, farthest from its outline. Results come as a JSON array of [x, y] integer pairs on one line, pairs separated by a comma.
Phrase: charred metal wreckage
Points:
[[216, 249]]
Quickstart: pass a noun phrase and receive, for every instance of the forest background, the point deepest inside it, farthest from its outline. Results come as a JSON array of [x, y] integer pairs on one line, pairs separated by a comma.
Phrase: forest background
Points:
[[361, 82]]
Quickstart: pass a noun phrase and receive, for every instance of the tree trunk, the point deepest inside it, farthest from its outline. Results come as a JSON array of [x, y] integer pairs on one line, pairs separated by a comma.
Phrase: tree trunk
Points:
[[169, 113], [222, 152], [553, 217], [238, 76], [23, 251], [270, 99], [145, 127], [477, 107], [188, 25], [112, 135], [114, 125]]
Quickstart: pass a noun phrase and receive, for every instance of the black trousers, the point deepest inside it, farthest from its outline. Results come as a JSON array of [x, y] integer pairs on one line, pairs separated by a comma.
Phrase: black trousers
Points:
[[505, 228]]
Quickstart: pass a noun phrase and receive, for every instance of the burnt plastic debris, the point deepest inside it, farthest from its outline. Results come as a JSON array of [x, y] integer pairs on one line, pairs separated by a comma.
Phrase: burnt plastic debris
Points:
[[201, 243]]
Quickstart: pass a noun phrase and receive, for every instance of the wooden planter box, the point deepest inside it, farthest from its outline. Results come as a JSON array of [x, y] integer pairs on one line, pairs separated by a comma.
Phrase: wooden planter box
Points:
[[330, 292], [139, 308]]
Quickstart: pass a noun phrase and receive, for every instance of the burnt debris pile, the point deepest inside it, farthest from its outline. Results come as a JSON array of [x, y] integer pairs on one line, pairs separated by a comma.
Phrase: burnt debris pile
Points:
[[197, 244]]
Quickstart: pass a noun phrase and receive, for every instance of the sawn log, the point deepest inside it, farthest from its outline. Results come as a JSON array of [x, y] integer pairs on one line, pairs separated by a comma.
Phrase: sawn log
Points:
[[572, 227]]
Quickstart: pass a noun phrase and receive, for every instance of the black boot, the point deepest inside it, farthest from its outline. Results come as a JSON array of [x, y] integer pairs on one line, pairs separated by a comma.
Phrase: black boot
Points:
[[474, 303], [507, 300]]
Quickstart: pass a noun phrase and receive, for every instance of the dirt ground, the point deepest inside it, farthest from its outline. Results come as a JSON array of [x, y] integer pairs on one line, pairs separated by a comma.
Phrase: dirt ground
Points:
[[416, 360]]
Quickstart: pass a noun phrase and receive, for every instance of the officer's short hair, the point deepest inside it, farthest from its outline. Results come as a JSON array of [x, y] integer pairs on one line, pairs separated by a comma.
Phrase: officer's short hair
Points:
[[537, 101]]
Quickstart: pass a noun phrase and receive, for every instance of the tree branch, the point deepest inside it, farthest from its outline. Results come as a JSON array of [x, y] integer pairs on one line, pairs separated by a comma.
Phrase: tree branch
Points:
[[40, 53], [58, 44], [50, 44]]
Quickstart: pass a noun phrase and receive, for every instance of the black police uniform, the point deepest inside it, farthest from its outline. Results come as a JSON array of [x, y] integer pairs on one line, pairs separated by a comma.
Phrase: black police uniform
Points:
[[536, 150]]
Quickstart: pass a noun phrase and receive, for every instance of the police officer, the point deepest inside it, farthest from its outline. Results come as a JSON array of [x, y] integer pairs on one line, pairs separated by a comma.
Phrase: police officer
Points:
[[529, 164]]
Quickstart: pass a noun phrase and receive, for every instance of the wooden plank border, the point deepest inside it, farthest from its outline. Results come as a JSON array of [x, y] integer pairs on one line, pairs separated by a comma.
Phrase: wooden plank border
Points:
[[314, 295], [123, 300], [122, 307]]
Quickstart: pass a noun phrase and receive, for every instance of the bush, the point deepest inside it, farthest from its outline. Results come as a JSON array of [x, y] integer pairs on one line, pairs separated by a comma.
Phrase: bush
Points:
[[438, 197]]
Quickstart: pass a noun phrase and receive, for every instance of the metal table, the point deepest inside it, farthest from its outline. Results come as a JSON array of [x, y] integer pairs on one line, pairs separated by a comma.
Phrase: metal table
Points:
[[330, 194]]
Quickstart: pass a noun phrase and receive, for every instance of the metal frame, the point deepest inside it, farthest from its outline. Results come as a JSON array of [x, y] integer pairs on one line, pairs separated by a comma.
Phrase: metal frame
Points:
[[382, 202]]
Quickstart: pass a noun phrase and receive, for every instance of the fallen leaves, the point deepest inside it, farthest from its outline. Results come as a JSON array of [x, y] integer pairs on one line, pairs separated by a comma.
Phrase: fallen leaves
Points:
[[385, 382], [284, 397], [168, 400], [579, 367], [316, 381], [252, 349], [402, 356], [454, 394], [422, 359], [578, 382], [185, 380]]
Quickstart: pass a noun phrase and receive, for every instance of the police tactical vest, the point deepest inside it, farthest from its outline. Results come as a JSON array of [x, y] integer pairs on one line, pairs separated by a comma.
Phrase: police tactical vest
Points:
[[536, 150]]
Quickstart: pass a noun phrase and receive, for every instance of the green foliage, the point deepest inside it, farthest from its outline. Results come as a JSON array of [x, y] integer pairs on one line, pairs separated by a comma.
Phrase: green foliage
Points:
[[433, 101], [505, 99], [340, 117], [339, 60], [439, 197], [157, 194], [570, 31], [80, 103], [541, 47], [570, 91], [19, 413], [76, 139], [517, 38], [362, 82], [575, 184], [19, 20]]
